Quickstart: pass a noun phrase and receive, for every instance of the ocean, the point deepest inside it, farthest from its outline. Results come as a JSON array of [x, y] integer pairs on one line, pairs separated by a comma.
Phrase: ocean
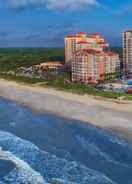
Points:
[[40, 148]]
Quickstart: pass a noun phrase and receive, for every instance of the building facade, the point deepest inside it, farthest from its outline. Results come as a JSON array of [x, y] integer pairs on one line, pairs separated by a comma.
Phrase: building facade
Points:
[[81, 40], [127, 52], [50, 66], [90, 62], [91, 66]]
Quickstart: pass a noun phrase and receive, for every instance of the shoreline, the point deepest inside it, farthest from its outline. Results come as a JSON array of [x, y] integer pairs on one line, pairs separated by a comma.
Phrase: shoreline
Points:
[[112, 115]]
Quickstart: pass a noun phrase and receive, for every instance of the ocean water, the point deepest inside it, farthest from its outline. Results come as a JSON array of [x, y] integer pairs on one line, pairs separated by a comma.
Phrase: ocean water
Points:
[[39, 149]]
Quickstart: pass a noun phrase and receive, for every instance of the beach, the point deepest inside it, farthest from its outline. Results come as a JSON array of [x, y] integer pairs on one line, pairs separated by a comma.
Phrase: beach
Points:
[[113, 115]]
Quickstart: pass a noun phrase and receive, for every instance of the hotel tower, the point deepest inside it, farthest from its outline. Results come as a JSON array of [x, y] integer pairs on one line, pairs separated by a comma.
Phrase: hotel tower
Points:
[[127, 52], [90, 58], [81, 41]]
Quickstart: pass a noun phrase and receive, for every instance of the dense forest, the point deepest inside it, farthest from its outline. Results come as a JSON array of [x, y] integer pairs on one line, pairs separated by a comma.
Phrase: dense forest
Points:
[[11, 58]]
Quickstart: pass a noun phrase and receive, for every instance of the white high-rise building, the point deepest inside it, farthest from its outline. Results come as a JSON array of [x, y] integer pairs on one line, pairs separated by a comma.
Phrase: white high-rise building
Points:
[[127, 52]]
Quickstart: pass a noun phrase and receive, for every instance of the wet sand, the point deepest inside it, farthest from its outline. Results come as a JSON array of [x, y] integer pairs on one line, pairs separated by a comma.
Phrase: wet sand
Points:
[[113, 115]]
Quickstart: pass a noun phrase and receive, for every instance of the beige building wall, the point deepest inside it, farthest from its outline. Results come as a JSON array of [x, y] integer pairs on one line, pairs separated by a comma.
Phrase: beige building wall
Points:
[[112, 63], [127, 51], [82, 68]]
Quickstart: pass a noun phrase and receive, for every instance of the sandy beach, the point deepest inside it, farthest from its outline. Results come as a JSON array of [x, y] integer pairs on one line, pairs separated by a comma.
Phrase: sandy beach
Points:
[[113, 115]]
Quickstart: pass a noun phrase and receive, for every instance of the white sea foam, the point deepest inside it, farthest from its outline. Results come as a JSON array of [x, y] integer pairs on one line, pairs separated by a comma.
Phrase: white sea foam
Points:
[[92, 148], [29, 159], [95, 150], [118, 141], [12, 124], [23, 171], [114, 138]]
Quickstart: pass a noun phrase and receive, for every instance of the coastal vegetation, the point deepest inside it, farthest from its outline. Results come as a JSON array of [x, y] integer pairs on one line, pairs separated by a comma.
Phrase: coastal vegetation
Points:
[[12, 59], [61, 83]]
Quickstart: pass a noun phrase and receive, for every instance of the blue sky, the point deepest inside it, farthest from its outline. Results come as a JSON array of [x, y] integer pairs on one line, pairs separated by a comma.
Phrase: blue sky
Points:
[[44, 23]]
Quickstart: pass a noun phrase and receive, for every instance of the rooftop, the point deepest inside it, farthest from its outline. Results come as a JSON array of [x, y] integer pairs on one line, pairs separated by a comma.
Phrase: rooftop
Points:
[[88, 51], [80, 34], [128, 31], [49, 63], [82, 42], [93, 51]]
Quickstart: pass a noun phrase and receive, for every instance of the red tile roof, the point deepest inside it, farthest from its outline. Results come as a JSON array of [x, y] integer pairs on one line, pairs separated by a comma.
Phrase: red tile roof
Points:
[[96, 34], [78, 35], [72, 36], [110, 53], [82, 42], [81, 33], [102, 42], [89, 51]]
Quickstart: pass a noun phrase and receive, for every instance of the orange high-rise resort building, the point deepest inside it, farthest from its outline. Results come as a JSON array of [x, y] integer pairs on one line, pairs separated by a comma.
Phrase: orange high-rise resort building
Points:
[[89, 61], [80, 41], [92, 66]]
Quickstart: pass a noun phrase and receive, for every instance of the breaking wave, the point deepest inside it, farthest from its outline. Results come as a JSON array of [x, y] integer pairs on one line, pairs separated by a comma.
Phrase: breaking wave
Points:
[[22, 171], [34, 166]]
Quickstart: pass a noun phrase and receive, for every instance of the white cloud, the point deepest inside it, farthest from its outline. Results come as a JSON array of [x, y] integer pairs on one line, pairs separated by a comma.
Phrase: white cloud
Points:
[[70, 4], [53, 4]]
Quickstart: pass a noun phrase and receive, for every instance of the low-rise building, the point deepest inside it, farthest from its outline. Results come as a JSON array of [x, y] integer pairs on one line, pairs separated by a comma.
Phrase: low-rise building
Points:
[[48, 66]]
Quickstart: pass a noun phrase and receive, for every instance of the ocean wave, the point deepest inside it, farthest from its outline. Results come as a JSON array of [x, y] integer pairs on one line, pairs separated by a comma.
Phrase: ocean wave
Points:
[[92, 148], [22, 173], [96, 152], [105, 144], [33, 164]]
